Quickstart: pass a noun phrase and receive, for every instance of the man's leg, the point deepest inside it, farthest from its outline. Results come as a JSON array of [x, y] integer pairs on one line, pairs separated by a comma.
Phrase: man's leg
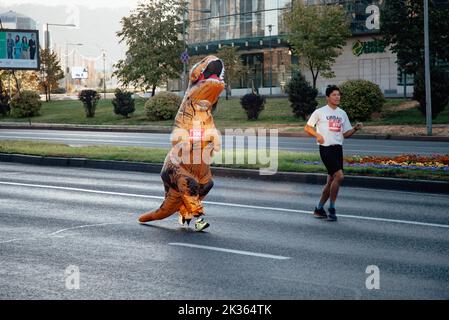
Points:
[[326, 190], [337, 179], [319, 211], [335, 186]]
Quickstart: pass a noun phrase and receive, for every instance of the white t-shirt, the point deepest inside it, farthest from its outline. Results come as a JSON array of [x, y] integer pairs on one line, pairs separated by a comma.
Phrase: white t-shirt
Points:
[[331, 124]]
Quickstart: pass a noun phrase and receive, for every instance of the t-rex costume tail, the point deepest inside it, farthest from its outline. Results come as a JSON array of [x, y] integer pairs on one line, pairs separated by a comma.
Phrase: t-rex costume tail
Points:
[[186, 172]]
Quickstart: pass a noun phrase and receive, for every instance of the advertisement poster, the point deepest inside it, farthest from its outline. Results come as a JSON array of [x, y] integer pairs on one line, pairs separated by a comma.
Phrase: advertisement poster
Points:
[[19, 49]]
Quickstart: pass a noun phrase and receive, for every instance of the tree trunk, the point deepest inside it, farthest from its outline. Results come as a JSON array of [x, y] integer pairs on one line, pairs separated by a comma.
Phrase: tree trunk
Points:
[[153, 91]]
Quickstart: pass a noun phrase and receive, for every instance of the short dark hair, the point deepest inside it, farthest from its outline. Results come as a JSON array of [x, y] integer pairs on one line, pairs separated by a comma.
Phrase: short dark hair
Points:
[[330, 89]]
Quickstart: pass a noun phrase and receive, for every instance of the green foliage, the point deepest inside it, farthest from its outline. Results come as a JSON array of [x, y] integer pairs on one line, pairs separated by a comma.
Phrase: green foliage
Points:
[[253, 104], [89, 98], [50, 72], [4, 103], [151, 34], [123, 103], [302, 96], [401, 24], [439, 91], [360, 98], [25, 104], [162, 106], [317, 34]]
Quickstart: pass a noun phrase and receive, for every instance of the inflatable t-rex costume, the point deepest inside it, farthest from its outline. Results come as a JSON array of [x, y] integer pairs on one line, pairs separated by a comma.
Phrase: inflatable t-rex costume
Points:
[[186, 172]]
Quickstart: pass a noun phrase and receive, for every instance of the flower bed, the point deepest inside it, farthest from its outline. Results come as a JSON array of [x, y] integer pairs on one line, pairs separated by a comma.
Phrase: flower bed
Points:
[[406, 161]]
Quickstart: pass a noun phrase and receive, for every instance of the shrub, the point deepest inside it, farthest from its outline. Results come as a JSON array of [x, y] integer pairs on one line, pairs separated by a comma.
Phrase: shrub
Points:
[[89, 98], [302, 96], [253, 103], [439, 91], [123, 103], [360, 98], [25, 104], [162, 106], [4, 103]]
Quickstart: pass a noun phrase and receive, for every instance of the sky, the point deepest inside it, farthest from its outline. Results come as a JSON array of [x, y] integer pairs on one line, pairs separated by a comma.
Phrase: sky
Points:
[[91, 4]]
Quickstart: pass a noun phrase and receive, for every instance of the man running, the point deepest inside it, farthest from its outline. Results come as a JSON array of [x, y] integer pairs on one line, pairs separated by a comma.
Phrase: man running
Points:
[[332, 126]]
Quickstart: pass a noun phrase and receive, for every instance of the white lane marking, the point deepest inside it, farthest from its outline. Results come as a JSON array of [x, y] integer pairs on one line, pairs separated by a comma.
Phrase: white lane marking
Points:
[[418, 223], [85, 140], [56, 233], [80, 227], [248, 253]]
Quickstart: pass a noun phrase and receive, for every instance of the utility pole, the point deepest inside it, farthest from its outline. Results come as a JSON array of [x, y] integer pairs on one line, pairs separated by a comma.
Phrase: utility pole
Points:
[[427, 69], [104, 74], [270, 27]]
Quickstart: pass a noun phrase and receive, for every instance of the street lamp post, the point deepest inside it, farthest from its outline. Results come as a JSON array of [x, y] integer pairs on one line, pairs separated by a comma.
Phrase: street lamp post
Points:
[[184, 40], [104, 74], [47, 32], [270, 27], [427, 69], [67, 63]]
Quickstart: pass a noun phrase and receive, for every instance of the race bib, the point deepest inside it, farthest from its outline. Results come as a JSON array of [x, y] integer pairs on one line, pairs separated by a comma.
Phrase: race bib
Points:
[[196, 134], [335, 125]]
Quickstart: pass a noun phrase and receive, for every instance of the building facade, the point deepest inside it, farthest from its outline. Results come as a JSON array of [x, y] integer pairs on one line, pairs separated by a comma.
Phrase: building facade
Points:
[[256, 28]]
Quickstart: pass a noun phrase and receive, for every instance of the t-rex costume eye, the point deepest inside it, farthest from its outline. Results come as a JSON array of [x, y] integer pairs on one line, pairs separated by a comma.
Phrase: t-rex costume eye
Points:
[[186, 172]]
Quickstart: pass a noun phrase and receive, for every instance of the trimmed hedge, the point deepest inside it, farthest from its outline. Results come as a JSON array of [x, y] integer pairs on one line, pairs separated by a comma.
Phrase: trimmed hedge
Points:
[[162, 106], [360, 98]]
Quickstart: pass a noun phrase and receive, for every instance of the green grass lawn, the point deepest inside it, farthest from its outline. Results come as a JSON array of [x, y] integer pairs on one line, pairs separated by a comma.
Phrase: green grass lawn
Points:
[[287, 161], [229, 114], [410, 117]]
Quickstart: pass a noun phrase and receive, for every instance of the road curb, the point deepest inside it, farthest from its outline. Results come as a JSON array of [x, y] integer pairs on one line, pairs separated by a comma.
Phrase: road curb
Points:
[[298, 177], [162, 129]]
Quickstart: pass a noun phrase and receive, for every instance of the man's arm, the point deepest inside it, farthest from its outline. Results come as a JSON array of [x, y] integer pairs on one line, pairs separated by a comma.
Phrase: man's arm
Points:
[[349, 133], [311, 132]]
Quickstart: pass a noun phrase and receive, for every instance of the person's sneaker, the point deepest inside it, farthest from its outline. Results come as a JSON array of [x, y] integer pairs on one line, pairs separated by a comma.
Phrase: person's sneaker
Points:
[[320, 213], [183, 220], [332, 216], [201, 224]]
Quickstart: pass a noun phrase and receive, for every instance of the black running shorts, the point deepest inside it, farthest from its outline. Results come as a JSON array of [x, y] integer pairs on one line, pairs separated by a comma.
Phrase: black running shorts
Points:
[[332, 157]]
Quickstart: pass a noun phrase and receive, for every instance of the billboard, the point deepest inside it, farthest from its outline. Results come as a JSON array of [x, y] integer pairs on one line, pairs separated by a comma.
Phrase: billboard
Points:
[[79, 73], [19, 49]]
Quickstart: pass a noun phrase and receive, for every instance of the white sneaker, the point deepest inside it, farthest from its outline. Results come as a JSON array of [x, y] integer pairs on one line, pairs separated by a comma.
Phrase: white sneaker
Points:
[[201, 224]]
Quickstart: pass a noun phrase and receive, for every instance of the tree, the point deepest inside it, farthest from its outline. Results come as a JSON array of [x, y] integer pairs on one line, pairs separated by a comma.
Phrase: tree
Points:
[[397, 16], [151, 33], [50, 72], [301, 96], [402, 27], [317, 34], [233, 65]]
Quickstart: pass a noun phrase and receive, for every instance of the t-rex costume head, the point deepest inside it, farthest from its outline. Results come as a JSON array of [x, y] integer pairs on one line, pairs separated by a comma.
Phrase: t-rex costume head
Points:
[[187, 177]]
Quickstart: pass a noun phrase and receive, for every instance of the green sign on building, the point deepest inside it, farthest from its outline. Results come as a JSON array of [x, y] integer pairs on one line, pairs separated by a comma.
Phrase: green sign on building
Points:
[[365, 47]]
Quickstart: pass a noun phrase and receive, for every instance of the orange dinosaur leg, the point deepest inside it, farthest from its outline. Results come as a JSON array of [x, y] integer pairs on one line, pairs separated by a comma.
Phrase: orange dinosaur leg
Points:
[[203, 190]]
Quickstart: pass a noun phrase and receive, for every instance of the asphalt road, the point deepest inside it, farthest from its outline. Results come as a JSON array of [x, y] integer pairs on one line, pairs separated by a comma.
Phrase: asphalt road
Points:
[[263, 242], [161, 140]]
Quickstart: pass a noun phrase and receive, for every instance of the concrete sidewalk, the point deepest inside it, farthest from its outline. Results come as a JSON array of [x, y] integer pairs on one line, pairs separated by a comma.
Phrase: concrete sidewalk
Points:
[[296, 177], [168, 129]]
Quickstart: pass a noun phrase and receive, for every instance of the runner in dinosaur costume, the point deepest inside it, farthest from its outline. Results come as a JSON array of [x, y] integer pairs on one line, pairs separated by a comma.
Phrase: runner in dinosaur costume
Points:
[[186, 172]]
